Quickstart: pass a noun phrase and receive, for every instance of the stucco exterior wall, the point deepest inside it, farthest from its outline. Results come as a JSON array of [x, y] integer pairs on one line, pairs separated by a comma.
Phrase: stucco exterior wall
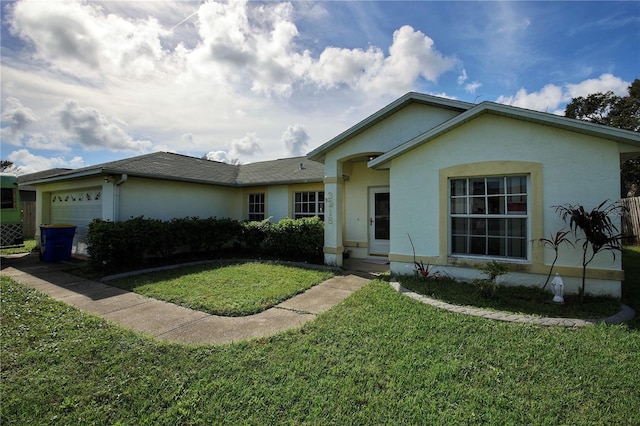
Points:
[[403, 126], [356, 206], [352, 194], [574, 169], [164, 200]]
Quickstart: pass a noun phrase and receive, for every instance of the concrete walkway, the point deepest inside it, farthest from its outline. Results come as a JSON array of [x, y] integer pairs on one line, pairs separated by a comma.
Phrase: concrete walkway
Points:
[[170, 322], [626, 314]]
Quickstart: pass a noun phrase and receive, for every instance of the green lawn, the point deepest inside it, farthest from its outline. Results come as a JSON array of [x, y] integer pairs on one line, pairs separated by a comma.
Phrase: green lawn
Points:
[[377, 358], [29, 245], [631, 285], [229, 289]]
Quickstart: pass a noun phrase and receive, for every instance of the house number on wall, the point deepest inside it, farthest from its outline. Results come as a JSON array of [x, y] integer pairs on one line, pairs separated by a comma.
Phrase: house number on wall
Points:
[[329, 201]]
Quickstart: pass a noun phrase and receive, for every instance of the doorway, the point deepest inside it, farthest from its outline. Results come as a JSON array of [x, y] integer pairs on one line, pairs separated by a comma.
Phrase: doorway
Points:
[[379, 223]]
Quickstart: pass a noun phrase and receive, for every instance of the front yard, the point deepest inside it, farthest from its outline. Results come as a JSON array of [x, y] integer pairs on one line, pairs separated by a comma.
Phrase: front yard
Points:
[[225, 288], [377, 358]]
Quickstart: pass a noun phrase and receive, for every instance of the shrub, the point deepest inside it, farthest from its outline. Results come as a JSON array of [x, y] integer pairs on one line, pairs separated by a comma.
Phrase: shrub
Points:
[[118, 246], [296, 239], [253, 234], [492, 270]]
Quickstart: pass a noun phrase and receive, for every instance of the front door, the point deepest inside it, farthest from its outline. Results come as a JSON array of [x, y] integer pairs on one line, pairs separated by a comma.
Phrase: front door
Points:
[[379, 224]]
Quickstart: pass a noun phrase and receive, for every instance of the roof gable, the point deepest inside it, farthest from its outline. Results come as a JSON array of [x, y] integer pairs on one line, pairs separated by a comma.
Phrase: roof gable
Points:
[[319, 153]]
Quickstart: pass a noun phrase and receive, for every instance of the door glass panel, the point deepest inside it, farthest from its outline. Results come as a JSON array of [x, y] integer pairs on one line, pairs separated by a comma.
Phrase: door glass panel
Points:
[[382, 231]]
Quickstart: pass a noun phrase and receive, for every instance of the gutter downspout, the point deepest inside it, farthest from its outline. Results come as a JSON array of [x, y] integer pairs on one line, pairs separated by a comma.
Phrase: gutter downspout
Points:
[[116, 196]]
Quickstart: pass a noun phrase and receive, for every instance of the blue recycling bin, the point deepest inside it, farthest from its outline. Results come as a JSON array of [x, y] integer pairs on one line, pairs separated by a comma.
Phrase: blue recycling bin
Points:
[[56, 242]]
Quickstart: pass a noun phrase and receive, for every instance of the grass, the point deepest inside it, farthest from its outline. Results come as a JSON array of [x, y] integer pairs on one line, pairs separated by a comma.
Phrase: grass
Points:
[[377, 358], [222, 288], [631, 285], [29, 246]]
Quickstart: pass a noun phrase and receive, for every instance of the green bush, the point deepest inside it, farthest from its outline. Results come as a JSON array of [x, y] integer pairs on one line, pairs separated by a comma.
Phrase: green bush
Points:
[[134, 243], [296, 239], [253, 234]]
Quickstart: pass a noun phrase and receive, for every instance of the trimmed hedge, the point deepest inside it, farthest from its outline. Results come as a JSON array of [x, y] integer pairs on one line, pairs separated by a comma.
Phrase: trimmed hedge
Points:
[[132, 244]]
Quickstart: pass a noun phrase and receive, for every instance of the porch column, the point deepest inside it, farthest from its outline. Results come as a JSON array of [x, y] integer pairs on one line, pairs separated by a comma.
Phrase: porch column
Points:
[[333, 220]]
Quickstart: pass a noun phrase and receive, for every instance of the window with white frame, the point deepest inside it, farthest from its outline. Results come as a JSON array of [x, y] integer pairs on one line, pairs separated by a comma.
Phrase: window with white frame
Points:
[[308, 204], [489, 216], [256, 206]]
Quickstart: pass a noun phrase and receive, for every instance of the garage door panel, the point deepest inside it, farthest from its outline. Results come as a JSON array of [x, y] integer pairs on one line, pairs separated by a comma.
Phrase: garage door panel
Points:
[[79, 208]]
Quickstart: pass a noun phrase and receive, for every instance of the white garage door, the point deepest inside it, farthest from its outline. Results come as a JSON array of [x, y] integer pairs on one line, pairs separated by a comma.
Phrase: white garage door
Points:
[[79, 208]]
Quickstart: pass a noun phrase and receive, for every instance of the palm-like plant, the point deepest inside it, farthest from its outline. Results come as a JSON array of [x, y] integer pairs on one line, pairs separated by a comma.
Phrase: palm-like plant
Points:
[[600, 233], [554, 243]]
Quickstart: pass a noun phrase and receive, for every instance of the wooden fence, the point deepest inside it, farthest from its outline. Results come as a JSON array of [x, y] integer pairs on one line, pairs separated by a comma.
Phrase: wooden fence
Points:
[[28, 219], [631, 220]]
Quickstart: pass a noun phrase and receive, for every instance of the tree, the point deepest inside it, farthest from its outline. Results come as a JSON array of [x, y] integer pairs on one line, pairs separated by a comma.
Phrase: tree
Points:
[[8, 166], [616, 111]]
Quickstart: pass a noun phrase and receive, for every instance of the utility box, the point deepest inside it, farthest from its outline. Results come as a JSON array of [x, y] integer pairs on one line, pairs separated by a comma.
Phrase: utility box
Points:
[[56, 242]]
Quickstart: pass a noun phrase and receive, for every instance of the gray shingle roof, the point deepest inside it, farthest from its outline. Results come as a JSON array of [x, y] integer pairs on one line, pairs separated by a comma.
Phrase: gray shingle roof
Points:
[[177, 167], [286, 170]]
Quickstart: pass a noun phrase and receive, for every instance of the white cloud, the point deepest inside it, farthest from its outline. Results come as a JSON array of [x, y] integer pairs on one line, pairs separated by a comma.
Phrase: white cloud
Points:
[[247, 145], [604, 83], [30, 163], [16, 118], [472, 87], [95, 131], [462, 77], [249, 45], [82, 40], [411, 56], [296, 138], [551, 97], [221, 156], [546, 99]]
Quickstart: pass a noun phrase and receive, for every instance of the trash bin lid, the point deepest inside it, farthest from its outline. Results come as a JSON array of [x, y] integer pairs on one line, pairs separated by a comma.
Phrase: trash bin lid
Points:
[[58, 225]]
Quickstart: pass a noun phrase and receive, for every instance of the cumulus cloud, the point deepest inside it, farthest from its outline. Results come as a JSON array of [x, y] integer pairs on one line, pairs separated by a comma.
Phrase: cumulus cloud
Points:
[[551, 97], [221, 156], [95, 131], [604, 83], [80, 38], [16, 118], [295, 139], [548, 98], [247, 145], [30, 163], [250, 44], [411, 56]]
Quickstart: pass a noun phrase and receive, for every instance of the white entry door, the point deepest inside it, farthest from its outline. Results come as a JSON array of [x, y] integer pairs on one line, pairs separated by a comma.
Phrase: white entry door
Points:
[[379, 223]]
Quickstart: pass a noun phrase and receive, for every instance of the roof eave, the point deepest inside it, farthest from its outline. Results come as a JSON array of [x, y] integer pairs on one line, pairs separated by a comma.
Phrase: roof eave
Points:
[[67, 176], [612, 133]]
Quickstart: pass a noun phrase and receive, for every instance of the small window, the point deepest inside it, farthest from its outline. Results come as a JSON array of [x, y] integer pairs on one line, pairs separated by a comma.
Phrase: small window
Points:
[[488, 216], [256, 207], [308, 204], [8, 198]]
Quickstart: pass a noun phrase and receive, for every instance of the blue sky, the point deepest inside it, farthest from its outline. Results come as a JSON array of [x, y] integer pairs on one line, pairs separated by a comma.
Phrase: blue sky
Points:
[[89, 82]]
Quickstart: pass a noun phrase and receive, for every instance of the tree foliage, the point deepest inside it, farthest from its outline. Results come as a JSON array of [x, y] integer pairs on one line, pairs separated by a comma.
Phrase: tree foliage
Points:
[[599, 232], [616, 111], [8, 166]]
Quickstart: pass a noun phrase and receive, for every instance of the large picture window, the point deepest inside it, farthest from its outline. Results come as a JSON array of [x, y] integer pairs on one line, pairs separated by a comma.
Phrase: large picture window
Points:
[[308, 204], [488, 216], [256, 207]]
